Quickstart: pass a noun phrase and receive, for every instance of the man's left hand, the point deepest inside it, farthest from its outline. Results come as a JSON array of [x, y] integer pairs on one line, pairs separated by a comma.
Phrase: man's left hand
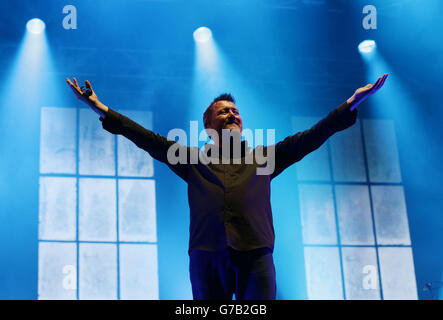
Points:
[[361, 94]]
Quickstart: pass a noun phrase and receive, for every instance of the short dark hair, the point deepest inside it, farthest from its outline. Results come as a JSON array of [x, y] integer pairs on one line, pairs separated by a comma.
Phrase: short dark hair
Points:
[[224, 97]]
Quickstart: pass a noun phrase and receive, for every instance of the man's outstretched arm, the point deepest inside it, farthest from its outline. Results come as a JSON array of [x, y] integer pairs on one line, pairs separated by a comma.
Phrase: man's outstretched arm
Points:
[[156, 145], [297, 146]]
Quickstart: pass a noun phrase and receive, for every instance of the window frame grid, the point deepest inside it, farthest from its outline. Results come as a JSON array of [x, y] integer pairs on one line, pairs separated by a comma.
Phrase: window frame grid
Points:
[[333, 183], [79, 176]]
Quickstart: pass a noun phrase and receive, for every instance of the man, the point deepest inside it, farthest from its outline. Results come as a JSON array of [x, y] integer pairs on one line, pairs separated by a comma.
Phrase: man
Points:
[[231, 228]]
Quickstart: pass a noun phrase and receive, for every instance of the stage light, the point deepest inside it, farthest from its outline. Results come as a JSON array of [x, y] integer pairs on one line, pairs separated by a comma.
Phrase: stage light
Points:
[[35, 26], [202, 34], [367, 46]]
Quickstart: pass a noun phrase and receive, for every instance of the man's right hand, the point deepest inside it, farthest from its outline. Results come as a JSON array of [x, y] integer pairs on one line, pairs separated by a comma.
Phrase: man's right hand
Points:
[[91, 100]]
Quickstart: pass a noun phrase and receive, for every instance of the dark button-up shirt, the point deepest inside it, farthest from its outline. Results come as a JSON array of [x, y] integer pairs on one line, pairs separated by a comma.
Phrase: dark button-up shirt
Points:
[[230, 203]]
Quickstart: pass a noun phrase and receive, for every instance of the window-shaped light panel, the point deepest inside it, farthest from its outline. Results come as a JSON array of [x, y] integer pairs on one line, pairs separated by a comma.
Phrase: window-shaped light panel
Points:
[[93, 200], [315, 166], [317, 214], [397, 273], [354, 215], [361, 273], [96, 146], [323, 273], [367, 211], [97, 209], [137, 218], [381, 151], [58, 140], [57, 208], [97, 271], [138, 272], [57, 270], [347, 155], [391, 221]]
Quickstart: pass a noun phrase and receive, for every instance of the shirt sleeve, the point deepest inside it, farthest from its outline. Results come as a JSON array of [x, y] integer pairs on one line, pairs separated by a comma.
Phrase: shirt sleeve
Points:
[[156, 145], [297, 146]]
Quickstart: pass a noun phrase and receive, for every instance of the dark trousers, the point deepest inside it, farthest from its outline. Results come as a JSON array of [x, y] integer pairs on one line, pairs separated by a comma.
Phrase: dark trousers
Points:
[[218, 275]]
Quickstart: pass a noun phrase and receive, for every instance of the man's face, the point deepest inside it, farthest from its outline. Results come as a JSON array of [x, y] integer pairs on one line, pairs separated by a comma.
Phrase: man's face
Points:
[[225, 115]]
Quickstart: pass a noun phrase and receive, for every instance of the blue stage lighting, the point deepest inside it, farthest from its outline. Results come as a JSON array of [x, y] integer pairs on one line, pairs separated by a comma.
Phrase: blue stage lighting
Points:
[[202, 34], [366, 46], [35, 26]]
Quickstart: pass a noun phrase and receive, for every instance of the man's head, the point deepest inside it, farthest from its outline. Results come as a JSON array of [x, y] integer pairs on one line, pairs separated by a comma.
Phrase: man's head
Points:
[[223, 114]]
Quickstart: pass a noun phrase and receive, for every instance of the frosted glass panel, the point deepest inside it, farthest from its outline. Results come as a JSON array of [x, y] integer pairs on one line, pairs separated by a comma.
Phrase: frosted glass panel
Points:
[[102, 271], [138, 272], [347, 155], [381, 151], [58, 140], [361, 273], [57, 271], [96, 146], [97, 210], [354, 214], [391, 221], [133, 161], [57, 208], [317, 214], [137, 219], [315, 166], [323, 273], [397, 274], [97, 271]]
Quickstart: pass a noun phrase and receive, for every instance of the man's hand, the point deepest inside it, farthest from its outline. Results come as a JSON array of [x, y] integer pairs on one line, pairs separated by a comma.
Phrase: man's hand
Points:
[[361, 94], [90, 98]]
